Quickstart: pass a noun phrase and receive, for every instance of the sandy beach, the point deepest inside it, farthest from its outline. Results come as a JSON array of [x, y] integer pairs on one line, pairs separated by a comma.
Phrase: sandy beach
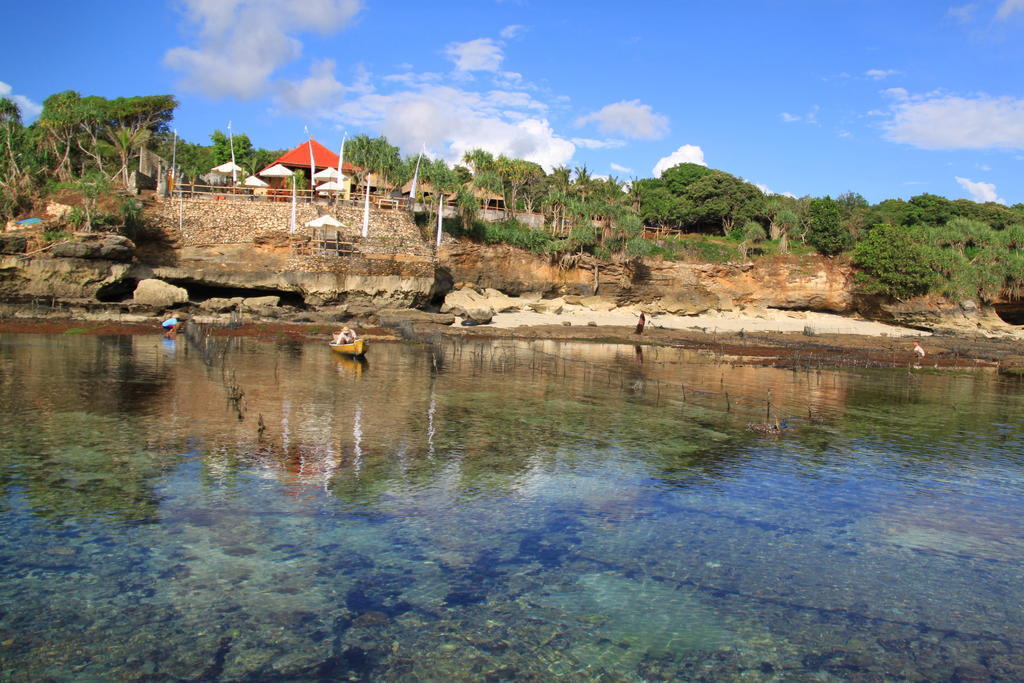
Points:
[[766, 320]]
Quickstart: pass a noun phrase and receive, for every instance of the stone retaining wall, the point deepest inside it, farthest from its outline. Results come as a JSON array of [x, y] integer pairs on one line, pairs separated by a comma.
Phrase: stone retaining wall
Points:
[[210, 221]]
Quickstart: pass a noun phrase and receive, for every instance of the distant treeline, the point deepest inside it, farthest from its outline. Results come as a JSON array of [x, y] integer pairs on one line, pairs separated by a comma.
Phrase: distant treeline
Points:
[[927, 244]]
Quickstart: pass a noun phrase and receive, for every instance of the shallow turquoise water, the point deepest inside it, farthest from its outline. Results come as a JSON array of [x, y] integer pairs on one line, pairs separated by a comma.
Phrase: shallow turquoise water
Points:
[[500, 512]]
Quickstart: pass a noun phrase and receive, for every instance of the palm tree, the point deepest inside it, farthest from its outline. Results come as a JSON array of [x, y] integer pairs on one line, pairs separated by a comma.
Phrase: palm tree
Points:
[[126, 142]]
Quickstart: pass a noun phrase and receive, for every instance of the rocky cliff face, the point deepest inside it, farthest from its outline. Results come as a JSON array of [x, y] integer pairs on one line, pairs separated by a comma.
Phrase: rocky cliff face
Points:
[[400, 280], [807, 283]]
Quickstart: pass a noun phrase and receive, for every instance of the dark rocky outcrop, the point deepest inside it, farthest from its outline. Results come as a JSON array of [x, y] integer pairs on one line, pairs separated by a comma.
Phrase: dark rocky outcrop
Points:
[[13, 244], [105, 246]]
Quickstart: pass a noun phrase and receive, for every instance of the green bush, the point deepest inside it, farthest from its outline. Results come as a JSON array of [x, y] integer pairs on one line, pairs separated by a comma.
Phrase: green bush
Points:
[[55, 236], [894, 262], [826, 231]]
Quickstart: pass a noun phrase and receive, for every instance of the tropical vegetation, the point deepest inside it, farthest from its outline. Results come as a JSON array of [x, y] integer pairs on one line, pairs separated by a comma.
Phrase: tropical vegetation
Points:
[[901, 248]]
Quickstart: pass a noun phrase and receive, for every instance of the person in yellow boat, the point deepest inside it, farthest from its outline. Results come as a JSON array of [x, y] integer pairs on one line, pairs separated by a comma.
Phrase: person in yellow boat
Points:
[[344, 336]]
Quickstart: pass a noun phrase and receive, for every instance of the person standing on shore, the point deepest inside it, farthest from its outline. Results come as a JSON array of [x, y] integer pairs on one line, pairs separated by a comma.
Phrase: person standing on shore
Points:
[[640, 323], [918, 350]]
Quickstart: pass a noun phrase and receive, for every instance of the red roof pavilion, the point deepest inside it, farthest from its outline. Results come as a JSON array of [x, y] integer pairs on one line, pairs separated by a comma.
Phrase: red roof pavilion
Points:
[[322, 158]]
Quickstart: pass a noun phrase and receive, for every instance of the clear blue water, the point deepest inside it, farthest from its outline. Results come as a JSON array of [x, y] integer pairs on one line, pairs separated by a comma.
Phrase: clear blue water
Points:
[[500, 512]]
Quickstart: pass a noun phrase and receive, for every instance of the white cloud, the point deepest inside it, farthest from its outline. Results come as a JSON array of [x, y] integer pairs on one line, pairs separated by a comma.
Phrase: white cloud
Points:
[[768, 191], [620, 169], [29, 109], [896, 93], [628, 118], [963, 14], [452, 121], [951, 122], [879, 74], [511, 31], [590, 143], [980, 192], [320, 89], [810, 117], [686, 154], [482, 54], [241, 43], [1009, 7]]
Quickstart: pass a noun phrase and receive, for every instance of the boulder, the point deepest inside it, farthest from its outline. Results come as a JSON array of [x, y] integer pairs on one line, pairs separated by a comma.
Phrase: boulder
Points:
[[479, 315], [468, 303], [553, 306], [159, 294], [220, 304], [500, 301], [259, 303], [13, 244]]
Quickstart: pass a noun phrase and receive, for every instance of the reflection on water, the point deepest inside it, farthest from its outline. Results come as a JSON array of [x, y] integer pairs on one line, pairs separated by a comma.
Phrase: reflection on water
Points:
[[500, 511]]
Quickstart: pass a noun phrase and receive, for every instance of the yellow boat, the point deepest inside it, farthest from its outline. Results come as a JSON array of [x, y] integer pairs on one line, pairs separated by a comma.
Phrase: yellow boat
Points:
[[357, 348]]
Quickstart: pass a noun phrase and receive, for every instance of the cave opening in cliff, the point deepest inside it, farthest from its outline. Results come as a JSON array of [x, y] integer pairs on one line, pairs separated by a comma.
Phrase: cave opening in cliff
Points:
[[201, 292], [121, 290], [1012, 313]]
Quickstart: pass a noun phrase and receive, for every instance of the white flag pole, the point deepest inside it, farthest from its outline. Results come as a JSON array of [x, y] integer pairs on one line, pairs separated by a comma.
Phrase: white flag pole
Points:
[[291, 227], [440, 214], [231, 142], [312, 168], [415, 179], [366, 207], [341, 163], [174, 160]]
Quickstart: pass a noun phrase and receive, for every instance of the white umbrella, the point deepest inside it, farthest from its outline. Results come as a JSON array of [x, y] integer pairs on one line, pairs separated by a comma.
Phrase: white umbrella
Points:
[[275, 171], [227, 168], [325, 221], [253, 181], [326, 173], [330, 186]]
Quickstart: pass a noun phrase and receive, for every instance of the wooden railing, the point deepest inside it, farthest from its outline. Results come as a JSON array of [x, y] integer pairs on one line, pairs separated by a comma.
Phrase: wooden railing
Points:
[[270, 194]]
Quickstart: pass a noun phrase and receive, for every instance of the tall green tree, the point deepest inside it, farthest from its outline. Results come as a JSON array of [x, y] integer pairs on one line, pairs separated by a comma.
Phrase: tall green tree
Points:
[[825, 231], [681, 176], [721, 199]]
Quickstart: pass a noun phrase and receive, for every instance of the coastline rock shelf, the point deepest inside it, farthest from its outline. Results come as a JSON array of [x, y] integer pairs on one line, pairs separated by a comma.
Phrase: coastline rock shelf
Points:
[[227, 249]]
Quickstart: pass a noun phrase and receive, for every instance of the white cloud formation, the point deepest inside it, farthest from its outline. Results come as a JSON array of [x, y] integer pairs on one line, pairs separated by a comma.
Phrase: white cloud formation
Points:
[[628, 118], [879, 74], [810, 117], [320, 89], [686, 154], [482, 54], [1009, 7], [768, 191], [980, 192], [963, 14], [620, 169], [29, 109], [241, 43], [590, 143], [512, 31], [937, 121], [451, 121]]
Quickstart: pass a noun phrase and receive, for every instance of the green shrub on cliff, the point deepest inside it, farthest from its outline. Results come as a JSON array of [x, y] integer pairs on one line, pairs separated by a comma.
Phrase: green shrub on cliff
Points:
[[895, 262]]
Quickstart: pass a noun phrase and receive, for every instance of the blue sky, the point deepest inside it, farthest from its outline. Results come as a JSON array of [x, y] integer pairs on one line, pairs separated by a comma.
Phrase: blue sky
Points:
[[889, 99]]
